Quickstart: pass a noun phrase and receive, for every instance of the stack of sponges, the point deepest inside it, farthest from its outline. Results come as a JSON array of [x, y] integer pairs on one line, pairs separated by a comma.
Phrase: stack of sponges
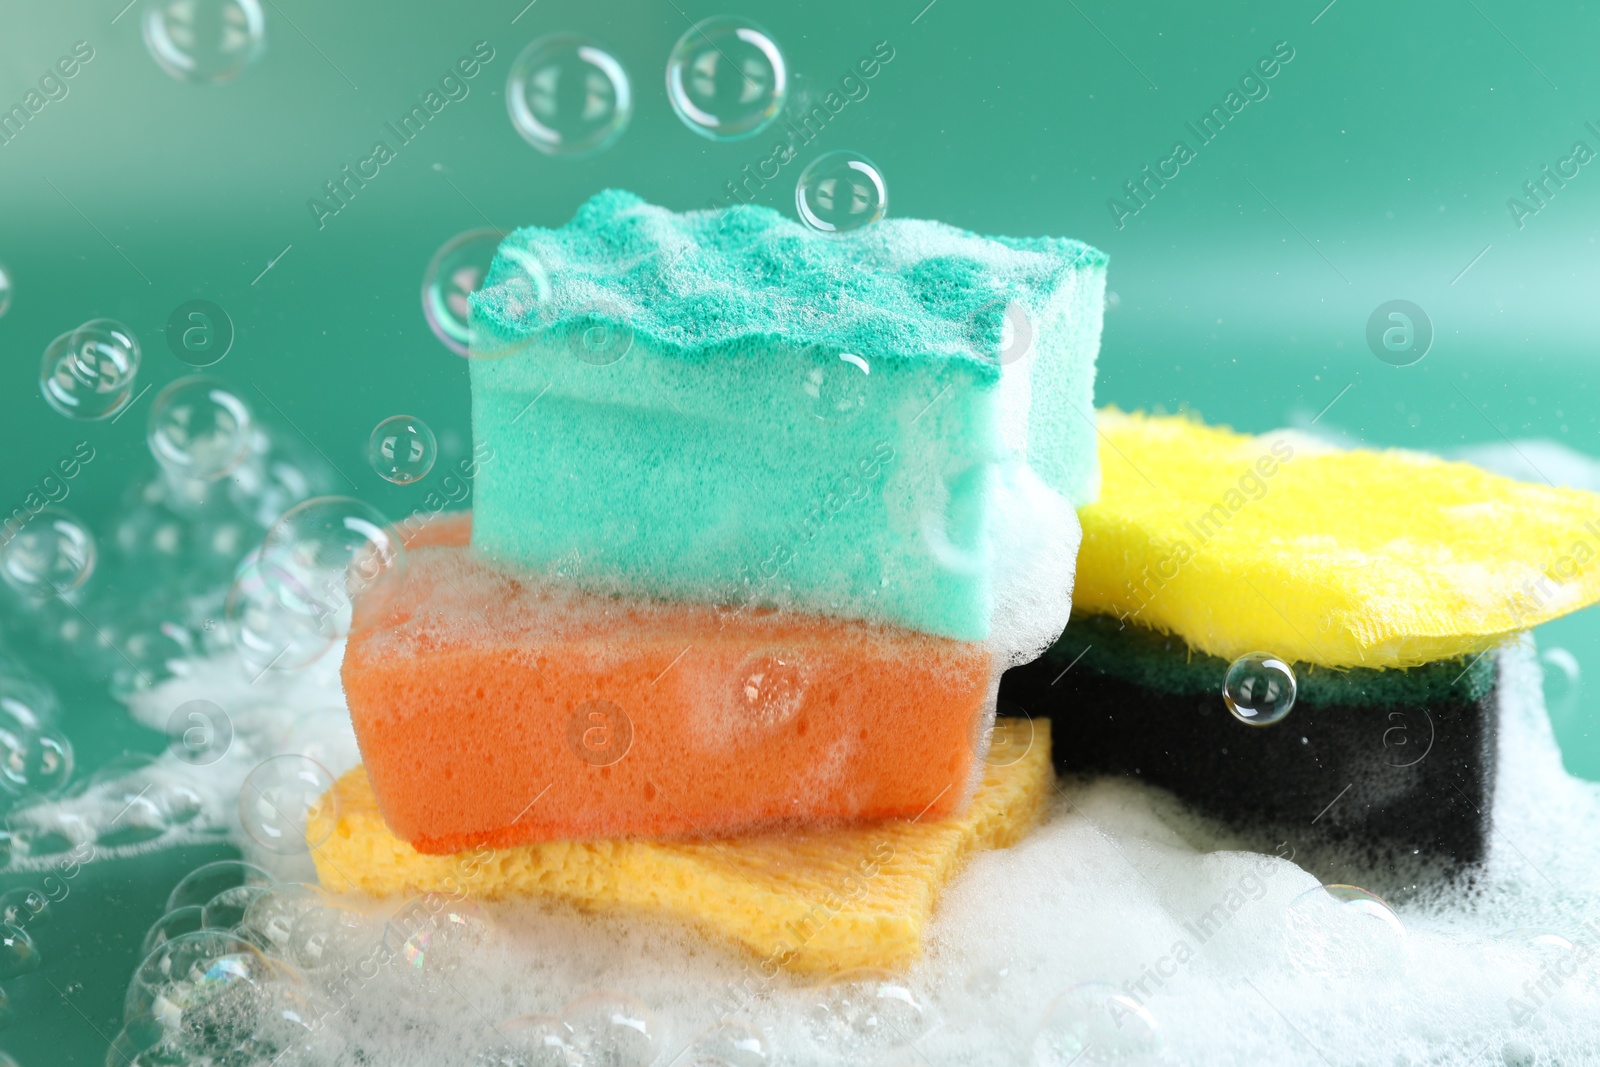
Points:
[[1385, 579], [761, 515]]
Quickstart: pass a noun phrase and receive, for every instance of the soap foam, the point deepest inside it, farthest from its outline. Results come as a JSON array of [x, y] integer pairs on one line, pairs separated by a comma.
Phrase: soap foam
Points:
[[1106, 891]]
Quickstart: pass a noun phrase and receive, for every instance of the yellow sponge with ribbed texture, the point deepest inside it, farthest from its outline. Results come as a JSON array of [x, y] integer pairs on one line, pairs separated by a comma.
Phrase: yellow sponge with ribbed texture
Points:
[[808, 902], [1339, 558]]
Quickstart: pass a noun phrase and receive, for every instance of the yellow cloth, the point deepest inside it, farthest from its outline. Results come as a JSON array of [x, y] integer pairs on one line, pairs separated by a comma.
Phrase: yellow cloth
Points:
[[806, 902], [1340, 558]]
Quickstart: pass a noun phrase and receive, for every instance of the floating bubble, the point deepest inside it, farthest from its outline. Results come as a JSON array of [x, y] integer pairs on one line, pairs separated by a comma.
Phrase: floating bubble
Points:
[[204, 40], [175, 923], [326, 939], [861, 1012], [151, 655], [1341, 930], [50, 554], [285, 799], [18, 956], [227, 909], [612, 1029], [840, 191], [88, 373], [196, 888], [5, 290], [568, 96], [324, 553], [271, 914], [402, 449], [1095, 1023], [726, 78], [728, 1044], [24, 908], [36, 761], [835, 385], [1259, 689], [456, 271], [269, 634], [772, 688], [199, 428]]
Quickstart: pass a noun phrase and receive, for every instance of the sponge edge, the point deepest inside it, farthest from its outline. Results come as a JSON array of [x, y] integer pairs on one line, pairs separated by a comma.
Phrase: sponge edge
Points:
[[810, 903], [1382, 559]]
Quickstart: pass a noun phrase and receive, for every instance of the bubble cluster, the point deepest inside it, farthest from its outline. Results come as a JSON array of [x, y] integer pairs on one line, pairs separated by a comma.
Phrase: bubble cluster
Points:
[[1259, 689], [456, 271], [269, 633], [88, 373], [1340, 931], [568, 96], [1096, 1023], [726, 78], [204, 40], [863, 1012], [199, 428], [434, 936], [613, 1029], [841, 191], [402, 449], [283, 799]]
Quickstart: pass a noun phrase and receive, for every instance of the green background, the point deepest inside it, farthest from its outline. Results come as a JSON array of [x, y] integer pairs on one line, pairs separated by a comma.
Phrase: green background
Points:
[[1378, 168]]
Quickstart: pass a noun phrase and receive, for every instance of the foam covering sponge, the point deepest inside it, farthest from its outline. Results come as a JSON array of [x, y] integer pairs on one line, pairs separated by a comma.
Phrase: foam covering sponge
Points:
[[1337, 558], [498, 708], [730, 408], [811, 902]]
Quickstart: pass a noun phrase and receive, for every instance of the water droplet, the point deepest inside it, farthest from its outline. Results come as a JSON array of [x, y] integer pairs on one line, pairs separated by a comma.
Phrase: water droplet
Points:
[[456, 271], [269, 634], [175, 923], [612, 1029], [286, 804], [568, 96], [1259, 689], [402, 449], [50, 554], [1341, 930], [88, 373], [204, 40], [324, 553], [835, 384], [199, 428], [861, 1012], [726, 78], [18, 956], [25, 908], [196, 888], [1095, 1023], [773, 687], [840, 191]]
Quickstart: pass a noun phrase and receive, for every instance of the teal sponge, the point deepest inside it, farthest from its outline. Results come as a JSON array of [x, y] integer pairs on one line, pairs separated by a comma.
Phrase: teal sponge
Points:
[[726, 406]]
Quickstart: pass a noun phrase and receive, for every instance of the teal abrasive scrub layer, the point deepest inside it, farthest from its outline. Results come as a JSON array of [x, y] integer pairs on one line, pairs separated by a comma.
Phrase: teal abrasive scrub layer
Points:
[[725, 406]]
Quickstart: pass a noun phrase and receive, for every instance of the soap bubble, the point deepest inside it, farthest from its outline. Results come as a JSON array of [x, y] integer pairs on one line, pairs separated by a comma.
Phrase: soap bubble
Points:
[[271, 914], [88, 373], [51, 553], [287, 806], [1259, 689], [456, 271], [1096, 1023], [18, 956], [1341, 930], [531, 1041], [269, 634], [726, 79], [434, 936], [5, 290], [728, 1044], [860, 1012], [200, 885], [34, 761], [227, 909], [325, 552], [568, 96], [612, 1030], [772, 687], [204, 40], [835, 385], [325, 939], [840, 191], [199, 428], [175, 923], [24, 908], [402, 449], [209, 990]]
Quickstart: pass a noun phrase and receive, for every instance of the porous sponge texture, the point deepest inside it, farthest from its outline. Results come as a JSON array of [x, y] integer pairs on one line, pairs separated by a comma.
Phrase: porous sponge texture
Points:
[[810, 902], [496, 709], [1336, 558], [725, 406]]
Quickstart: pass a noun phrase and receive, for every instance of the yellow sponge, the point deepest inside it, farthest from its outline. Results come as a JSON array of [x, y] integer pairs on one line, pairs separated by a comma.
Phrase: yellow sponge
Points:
[[1338, 558], [806, 902]]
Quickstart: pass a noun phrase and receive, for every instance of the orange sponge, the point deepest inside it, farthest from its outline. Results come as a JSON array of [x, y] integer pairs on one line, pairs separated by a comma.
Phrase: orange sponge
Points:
[[498, 709]]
